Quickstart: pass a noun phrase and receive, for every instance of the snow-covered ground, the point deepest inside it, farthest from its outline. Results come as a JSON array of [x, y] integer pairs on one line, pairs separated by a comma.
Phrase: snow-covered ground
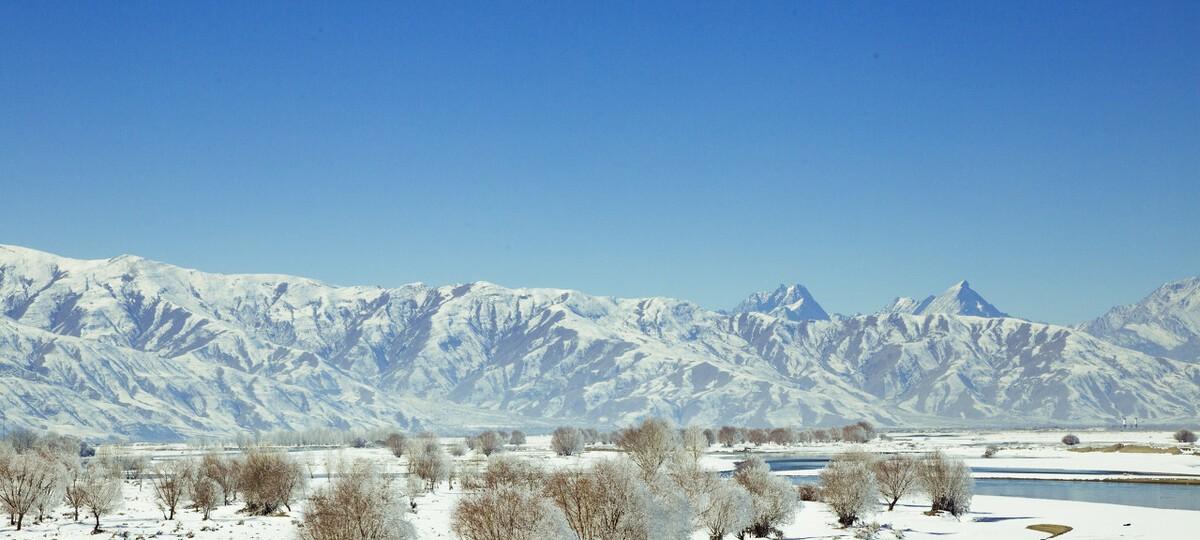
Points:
[[991, 517]]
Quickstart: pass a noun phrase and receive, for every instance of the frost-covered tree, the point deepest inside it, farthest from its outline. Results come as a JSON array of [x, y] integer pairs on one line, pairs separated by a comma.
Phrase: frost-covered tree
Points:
[[224, 471], [896, 476], [396, 442], [360, 505], [506, 470], [102, 492], [693, 442], [25, 480], [649, 445], [781, 436], [948, 483], [171, 483], [517, 438], [610, 501], [508, 512], [848, 487], [428, 461], [567, 441], [728, 510], [773, 501]]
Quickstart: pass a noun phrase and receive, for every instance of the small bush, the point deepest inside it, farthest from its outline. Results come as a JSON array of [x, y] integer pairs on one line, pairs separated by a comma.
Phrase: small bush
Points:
[[359, 506], [567, 441], [507, 513], [991, 451], [809, 492], [1070, 440], [1185, 436], [848, 487], [948, 483]]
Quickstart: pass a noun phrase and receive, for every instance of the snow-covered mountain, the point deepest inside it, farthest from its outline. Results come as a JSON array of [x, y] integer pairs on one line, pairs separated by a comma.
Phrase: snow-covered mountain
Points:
[[791, 302], [959, 299], [1165, 323], [151, 350]]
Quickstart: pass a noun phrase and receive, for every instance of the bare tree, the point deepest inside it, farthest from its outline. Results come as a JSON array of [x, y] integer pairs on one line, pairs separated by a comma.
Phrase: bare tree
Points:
[[1185, 436], [171, 483], [848, 487], [649, 445], [757, 437], [896, 476], [781, 436], [729, 436], [728, 510], [102, 492], [205, 493], [948, 483], [224, 471], [508, 513], [74, 491], [567, 441], [360, 505], [773, 501], [517, 438]]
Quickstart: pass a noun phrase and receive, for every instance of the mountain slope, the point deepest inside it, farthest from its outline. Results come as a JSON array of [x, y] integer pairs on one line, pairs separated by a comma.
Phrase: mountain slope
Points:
[[105, 344], [1164, 323]]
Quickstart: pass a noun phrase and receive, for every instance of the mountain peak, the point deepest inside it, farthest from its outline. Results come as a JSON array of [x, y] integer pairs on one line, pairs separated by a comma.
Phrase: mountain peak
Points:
[[792, 302], [959, 299]]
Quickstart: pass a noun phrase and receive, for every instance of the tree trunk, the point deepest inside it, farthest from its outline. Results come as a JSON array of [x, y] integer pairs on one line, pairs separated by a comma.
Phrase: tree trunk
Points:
[[96, 529], [20, 518]]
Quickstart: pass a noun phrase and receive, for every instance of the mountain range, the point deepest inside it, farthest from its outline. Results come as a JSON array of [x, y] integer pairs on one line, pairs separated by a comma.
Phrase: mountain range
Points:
[[146, 350]]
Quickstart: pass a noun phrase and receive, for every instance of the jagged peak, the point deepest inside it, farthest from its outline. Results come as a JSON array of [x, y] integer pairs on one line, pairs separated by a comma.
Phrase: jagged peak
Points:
[[789, 301]]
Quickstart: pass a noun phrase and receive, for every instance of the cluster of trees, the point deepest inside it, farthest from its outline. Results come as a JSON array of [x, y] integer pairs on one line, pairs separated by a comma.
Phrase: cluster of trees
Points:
[[490, 442], [656, 490], [40, 474], [729, 436], [853, 483]]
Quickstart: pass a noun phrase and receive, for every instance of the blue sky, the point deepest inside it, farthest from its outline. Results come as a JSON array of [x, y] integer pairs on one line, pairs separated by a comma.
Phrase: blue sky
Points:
[[1048, 152]]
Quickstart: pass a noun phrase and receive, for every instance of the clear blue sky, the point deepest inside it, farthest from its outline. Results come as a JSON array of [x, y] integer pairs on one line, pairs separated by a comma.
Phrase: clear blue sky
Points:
[[1047, 151]]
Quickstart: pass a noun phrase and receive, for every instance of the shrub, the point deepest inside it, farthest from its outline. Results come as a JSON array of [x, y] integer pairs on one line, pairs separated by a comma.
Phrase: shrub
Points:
[[991, 451], [848, 487], [270, 480], [503, 470], [757, 437], [489, 442], [1070, 440], [86, 450], [896, 476], [809, 492], [358, 442], [1185, 436], [567, 441], [396, 442], [224, 471], [948, 483], [507, 513], [517, 438], [773, 501], [710, 436], [729, 436], [360, 505]]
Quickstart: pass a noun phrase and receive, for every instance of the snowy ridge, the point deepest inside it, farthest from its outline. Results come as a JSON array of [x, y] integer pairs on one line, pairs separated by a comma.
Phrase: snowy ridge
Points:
[[1165, 323], [791, 302], [959, 299], [157, 351]]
